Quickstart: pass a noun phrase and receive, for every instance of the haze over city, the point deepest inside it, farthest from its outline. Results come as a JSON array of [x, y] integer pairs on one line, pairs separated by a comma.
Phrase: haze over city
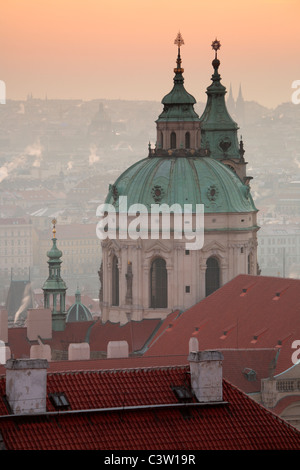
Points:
[[181, 310], [124, 49]]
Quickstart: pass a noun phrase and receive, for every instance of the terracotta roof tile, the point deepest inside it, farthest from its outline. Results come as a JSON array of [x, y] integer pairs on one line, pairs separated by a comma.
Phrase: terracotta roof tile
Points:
[[240, 315], [240, 424]]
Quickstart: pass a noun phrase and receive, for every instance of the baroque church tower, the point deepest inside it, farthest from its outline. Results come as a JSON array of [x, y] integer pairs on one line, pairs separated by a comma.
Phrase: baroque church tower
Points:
[[55, 287], [196, 161]]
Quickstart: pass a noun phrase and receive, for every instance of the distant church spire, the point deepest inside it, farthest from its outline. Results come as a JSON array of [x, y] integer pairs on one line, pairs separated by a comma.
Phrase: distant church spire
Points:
[[230, 103], [240, 106]]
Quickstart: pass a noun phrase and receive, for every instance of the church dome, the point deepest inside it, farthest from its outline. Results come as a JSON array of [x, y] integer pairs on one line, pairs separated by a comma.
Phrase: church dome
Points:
[[78, 311], [182, 180], [184, 169]]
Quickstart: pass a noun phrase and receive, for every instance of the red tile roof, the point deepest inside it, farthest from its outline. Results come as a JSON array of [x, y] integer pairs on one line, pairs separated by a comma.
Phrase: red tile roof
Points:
[[136, 333], [239, 424], [236, 364], [96, 333], [249, 312]]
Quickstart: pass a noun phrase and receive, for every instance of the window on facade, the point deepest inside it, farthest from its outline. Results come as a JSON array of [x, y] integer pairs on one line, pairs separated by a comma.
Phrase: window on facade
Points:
[[158, 284], [115, 281], [173, 140], [212, 275], [187, 140]]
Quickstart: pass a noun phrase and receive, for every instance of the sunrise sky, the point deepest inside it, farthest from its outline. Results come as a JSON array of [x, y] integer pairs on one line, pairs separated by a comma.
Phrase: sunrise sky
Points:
[[125, 49]]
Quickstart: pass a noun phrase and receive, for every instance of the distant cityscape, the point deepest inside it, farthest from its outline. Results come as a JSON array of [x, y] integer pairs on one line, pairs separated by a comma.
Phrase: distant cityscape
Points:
[[58, 157]]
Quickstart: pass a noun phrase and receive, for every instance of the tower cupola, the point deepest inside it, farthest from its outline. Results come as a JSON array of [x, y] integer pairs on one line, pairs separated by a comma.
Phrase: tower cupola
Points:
[[178, 126], [219, 132], [54, 287]]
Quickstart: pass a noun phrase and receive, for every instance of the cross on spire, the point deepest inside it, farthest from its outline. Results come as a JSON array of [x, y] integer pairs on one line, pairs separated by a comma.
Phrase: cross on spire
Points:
[[179, 42], [54, 221], [216, 45]]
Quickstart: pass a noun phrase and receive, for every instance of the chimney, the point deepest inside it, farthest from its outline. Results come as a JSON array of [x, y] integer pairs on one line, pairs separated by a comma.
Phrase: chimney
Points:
[[117, 349], [39, 323], [206, 375], [79, 351], [26, 385]]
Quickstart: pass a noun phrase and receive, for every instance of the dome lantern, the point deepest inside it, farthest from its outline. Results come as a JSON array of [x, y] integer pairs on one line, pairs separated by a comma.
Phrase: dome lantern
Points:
[[178, 125]]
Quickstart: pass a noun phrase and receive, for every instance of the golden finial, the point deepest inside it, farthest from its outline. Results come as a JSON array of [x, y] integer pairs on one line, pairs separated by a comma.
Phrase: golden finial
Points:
[[54, 229], [216, 45], [179, 42]]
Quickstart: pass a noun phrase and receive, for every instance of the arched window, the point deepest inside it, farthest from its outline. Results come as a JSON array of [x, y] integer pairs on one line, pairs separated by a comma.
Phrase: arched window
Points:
[[187, 140], [173, 140], [158, 284], [115, 281], [212, 275]]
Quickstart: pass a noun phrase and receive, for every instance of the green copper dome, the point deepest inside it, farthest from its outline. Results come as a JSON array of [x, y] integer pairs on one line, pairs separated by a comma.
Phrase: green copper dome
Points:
[[78, 311], [183, 180], [54, 254]]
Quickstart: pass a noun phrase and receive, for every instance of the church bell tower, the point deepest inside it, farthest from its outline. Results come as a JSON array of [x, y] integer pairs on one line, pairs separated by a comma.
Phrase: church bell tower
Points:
[[55, 287]]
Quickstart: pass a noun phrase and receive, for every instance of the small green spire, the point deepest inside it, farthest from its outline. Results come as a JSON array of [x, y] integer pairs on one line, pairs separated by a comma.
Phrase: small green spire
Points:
[[54, 287], [78, 296]]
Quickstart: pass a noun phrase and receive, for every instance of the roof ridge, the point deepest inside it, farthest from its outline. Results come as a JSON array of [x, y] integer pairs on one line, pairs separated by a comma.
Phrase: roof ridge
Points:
[[114, 369]]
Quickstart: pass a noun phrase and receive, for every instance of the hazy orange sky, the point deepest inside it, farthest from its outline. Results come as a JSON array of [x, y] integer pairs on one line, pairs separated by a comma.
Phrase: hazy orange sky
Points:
[[125, 49]]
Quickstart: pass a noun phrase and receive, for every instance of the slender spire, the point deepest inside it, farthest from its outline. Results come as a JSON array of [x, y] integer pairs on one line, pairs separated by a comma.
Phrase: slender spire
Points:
[[179, 42], [240, 95], [54, 222], [78, 295], [216, 45]]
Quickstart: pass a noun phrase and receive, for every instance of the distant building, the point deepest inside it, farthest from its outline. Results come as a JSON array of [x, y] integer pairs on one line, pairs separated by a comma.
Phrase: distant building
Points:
[[16, 247], [279, 250]]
